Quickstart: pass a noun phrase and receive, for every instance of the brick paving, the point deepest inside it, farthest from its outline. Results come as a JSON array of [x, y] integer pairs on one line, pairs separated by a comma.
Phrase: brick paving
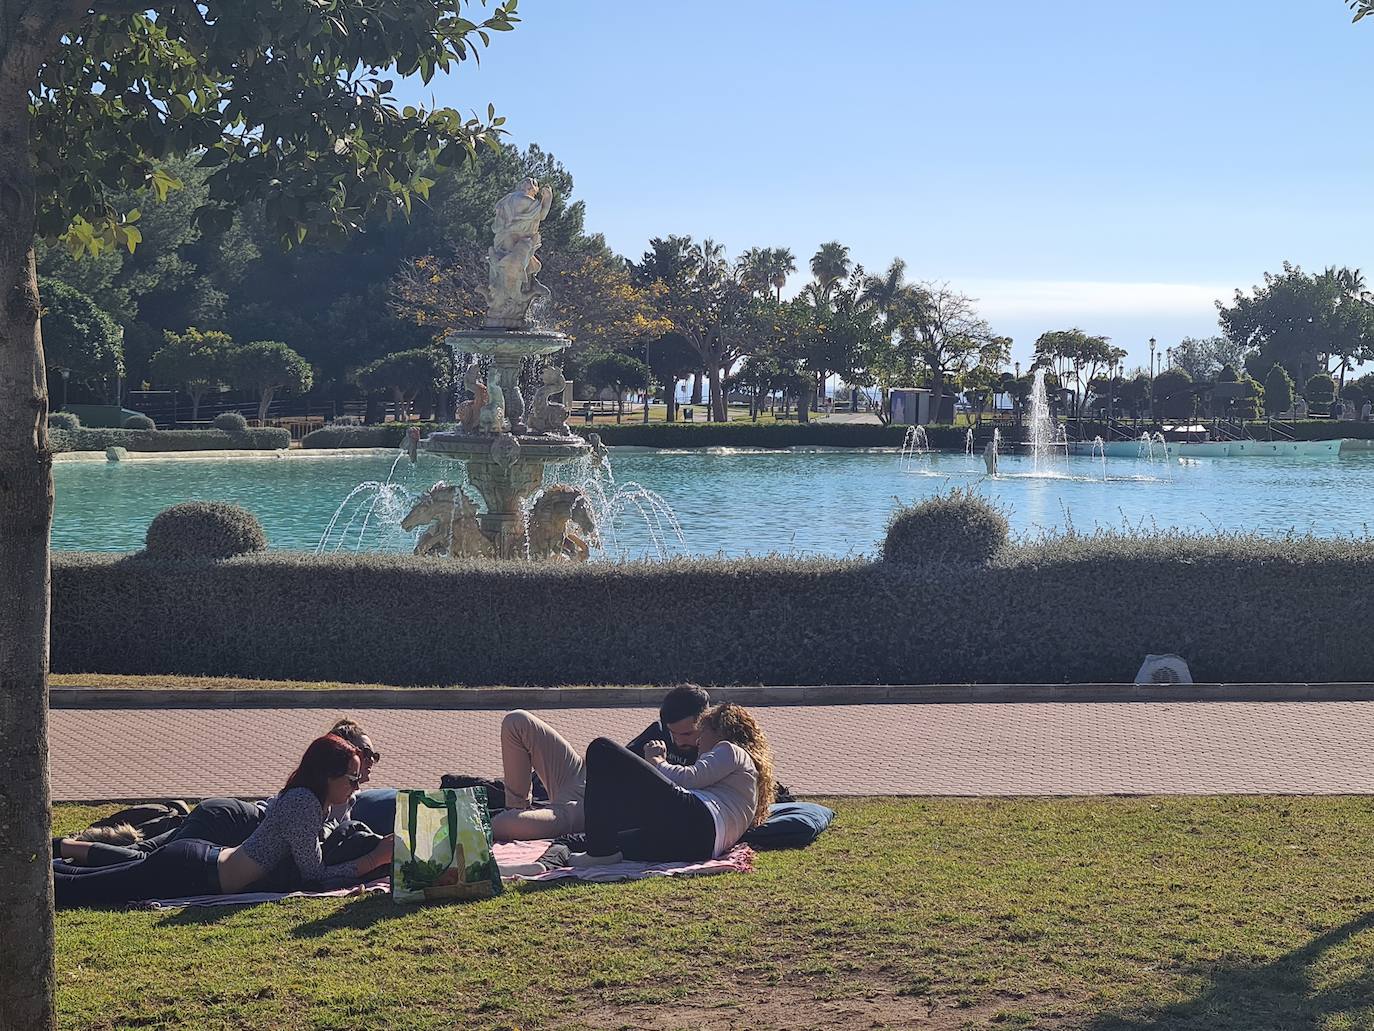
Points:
[[969, 749]]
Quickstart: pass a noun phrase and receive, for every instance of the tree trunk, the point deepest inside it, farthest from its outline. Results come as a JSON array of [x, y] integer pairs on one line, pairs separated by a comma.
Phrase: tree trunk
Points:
[[937, 396], [265, 403], [803, 400], [619, 405], [26, 497], [670, 397], [718, 409]]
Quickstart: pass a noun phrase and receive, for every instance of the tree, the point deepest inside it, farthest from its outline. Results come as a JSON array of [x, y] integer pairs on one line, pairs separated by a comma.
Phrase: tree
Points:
[[1278, 391], [1320, 391], [829, 266], [939, 331], [407, 375], [195, 362], [1173, 394], [286, 103], [671, 358], [621, 372], [703, 298], [266, 366], [1075, 355], [1203, 358], [78, 337], [1302, 322]]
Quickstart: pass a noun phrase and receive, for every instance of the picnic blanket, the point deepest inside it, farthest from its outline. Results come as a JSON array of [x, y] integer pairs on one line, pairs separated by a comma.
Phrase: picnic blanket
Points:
[[248, 898], [739, 859]]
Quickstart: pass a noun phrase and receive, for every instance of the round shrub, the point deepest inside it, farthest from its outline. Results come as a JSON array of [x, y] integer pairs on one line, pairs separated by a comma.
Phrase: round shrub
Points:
[[139, 422], [204, 530], [231, 422], [64, 421], [960, 526]]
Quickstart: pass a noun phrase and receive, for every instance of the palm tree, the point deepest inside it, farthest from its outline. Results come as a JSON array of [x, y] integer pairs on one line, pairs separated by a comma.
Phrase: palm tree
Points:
[[781, 264], [829, 265], [886, 291], [755, 269]]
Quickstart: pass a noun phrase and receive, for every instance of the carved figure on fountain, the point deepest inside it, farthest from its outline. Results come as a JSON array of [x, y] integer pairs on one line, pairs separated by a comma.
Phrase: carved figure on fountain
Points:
[[492, 417], [547, 416], [512, 266], [555, 520], [469, 412], [453, 528]]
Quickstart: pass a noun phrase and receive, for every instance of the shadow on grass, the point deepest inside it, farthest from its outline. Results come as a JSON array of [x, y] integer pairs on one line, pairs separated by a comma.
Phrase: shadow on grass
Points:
[[1276, 996]]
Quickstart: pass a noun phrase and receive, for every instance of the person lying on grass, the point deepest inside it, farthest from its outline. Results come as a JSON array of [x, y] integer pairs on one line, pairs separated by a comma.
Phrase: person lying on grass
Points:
[[328, 775], [220, 821], [651, 810], [530, 746]]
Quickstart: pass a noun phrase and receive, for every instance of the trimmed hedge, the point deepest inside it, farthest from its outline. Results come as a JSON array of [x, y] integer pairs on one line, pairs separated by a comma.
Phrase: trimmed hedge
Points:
[[64, 421], [1062, 610], [94, 439], [386, 434], [210, 530], [230, 422], [961, 526], [139, 422], [768, 435]]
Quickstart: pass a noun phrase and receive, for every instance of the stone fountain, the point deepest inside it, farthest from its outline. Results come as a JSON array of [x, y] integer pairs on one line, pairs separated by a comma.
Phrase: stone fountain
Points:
[[505, 445]]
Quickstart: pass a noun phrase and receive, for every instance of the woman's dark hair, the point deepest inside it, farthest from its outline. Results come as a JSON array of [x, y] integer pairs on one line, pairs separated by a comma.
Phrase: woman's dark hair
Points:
[[327, 757], [683, 702]]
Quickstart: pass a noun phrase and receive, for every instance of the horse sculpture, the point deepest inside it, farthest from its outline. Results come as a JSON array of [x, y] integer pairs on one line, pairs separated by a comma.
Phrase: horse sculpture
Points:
[[453, 530], [555, 520]]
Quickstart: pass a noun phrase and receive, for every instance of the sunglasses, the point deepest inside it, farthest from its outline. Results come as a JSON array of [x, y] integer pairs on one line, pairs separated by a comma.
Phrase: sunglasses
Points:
[[354, 779], [371, 756]]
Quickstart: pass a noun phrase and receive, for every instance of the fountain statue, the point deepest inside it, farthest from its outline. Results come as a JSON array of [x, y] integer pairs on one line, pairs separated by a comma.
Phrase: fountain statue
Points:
[[504, 447]]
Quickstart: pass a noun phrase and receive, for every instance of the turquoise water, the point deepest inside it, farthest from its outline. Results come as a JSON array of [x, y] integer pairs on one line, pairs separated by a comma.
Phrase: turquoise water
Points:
[[734, 504]]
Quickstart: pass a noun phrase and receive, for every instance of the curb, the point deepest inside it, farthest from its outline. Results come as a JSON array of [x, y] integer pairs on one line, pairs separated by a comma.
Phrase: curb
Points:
[[649, 697]]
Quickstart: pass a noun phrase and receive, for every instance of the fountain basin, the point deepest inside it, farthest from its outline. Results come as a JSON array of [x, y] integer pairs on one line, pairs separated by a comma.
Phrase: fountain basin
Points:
[[507, 343]]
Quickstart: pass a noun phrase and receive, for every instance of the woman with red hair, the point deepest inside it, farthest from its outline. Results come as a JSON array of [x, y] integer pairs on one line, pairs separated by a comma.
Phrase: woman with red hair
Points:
[[327, 776]]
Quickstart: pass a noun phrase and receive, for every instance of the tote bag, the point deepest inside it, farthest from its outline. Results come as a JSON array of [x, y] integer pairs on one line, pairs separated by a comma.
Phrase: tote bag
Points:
[[443, 847]]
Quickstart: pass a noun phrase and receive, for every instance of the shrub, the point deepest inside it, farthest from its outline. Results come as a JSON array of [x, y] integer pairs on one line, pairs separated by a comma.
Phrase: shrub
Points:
[[767, 435], [139, 422], [204, 530], [91, 439], [1080, 609], [1320, 392], [960, 526], [386, 434], [1278, 391], [230, 422], [64, 421]]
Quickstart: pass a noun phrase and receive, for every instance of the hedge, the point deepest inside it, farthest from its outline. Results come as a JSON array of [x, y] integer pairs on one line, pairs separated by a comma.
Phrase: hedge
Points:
[[95, 439], [386, 434], [769, 435], [1063, 610]]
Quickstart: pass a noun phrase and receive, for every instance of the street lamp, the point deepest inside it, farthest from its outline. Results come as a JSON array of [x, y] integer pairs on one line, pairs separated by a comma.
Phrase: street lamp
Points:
[[1152, 377]]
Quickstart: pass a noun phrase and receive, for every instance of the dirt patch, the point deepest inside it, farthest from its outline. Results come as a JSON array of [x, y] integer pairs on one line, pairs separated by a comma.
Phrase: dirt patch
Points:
[[797, 1008]]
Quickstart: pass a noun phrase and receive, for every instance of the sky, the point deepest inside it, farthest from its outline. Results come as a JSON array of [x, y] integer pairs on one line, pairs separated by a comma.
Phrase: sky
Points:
[[1115, 167]]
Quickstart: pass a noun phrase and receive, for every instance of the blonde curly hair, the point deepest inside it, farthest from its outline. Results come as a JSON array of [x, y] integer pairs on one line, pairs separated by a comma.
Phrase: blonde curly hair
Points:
[[735, 723]]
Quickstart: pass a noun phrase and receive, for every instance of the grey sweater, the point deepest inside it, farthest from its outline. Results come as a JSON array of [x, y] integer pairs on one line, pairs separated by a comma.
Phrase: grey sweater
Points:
[[291, 829], [726, 779]]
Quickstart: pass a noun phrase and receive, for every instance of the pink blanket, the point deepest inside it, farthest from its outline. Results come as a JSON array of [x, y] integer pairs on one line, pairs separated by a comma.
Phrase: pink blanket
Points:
[[739, 859]]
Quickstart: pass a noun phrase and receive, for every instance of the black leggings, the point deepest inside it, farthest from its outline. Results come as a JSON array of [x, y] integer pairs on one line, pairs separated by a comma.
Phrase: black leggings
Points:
[[185, 867], [220, 821], [631, 807]]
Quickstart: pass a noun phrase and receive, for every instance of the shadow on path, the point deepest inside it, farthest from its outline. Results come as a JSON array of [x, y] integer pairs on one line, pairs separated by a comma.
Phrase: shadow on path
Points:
[[1276, 996]]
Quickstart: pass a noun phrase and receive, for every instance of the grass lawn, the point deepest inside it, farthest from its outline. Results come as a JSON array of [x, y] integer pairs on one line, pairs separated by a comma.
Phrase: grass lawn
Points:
[[1096, 914]]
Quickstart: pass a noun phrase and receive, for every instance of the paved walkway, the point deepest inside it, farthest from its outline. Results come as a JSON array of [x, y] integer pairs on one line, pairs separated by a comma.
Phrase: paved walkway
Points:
[[969, 749]]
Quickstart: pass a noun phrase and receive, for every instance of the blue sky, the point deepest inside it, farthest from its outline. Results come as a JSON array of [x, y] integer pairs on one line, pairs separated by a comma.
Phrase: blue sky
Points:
[[1112, 166]]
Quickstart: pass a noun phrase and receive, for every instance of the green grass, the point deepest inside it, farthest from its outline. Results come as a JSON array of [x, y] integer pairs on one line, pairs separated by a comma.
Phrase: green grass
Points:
[[1102, 915]]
